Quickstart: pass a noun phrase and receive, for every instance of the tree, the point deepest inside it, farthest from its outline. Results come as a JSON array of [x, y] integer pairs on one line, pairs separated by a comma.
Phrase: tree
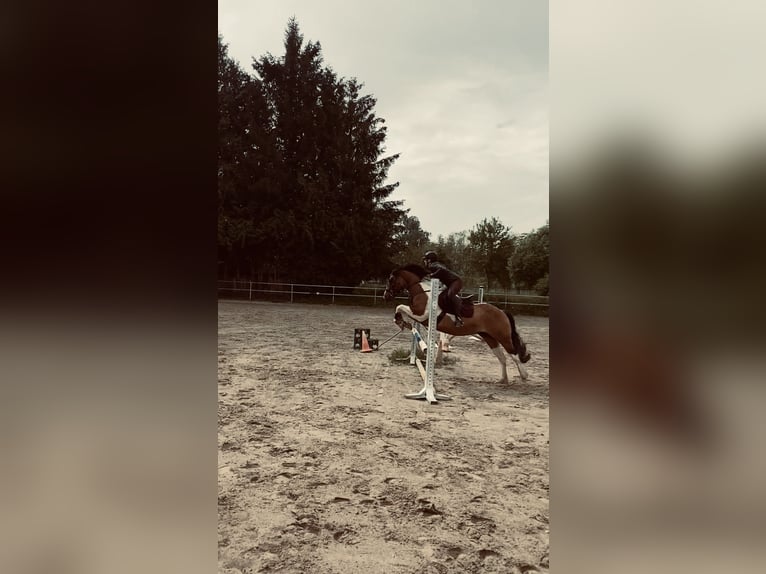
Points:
[[233, 223], [455, 252], [302, 172], [411, 241], [528, 266], [242, 136], [491, 246]]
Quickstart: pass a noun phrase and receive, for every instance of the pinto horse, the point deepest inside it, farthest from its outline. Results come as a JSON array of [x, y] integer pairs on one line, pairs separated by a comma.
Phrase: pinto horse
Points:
[[496, 327]]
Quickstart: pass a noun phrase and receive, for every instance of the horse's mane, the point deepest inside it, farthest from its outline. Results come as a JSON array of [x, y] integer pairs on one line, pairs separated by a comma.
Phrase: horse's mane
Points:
[[413, 268]]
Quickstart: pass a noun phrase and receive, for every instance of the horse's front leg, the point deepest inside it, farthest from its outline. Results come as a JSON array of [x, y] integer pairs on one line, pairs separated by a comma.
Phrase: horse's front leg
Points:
[[407, 311], [402, 313]]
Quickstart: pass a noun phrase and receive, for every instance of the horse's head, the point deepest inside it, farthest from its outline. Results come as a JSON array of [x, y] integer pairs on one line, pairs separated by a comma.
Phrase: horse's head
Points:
[[403, 278], [393, 286]]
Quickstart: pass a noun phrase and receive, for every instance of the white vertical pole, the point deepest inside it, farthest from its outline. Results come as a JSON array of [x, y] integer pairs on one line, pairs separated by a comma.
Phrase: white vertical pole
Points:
[[432, 342], [481, 294]]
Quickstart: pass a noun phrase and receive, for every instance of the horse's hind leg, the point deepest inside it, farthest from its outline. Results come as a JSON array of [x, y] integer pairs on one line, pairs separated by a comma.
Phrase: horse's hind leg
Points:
[[522, 370], [498, 350], [508, 345]]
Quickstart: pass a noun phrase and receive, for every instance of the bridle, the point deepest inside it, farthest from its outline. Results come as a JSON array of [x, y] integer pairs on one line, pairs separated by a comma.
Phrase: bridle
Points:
[[390, 287]]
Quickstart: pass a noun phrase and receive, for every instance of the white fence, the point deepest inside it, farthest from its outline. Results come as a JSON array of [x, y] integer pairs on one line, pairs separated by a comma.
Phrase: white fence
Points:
[[298, 291], [362, 295]]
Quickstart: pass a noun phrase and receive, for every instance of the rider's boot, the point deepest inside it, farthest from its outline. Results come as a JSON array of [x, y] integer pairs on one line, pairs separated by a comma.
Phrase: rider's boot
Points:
[[456, 303]]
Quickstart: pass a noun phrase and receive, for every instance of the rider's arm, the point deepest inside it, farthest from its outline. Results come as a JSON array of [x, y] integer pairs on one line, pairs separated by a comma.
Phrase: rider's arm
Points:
[[438, 272]]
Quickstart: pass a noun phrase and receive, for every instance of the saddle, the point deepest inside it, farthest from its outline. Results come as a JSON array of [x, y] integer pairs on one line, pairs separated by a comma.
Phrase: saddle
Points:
[[466, 305]]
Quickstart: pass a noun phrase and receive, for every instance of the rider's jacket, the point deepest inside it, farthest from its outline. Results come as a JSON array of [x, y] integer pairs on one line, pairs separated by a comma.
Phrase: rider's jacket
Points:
[[441, 272]]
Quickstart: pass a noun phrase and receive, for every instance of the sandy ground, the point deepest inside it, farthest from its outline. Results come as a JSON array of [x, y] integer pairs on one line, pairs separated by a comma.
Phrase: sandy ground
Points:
[[324, 467]]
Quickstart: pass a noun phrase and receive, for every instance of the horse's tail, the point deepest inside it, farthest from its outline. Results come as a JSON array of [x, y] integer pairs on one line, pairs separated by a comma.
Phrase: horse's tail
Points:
[[518, 343]]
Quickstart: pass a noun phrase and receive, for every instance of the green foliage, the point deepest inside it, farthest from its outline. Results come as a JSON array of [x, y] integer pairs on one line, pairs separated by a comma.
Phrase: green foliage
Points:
[[243, 140], [482, 256], [528, 265], [455, 252], [302, 192], [411, 241], [541, 287], [398, 356], [491, 246]]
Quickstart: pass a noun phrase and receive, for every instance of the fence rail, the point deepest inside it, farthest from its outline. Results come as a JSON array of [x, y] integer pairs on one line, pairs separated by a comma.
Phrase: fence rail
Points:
[[363, 295]]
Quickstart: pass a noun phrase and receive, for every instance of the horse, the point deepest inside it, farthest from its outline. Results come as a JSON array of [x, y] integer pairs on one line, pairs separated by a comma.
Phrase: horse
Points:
[[496, 327]]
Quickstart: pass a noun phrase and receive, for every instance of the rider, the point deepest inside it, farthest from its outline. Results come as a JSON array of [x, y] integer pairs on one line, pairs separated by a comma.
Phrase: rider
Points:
[[452, 281]]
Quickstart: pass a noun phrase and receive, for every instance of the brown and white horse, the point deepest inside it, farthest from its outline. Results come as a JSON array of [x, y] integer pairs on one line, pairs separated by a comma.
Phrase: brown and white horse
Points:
[[496, 327]]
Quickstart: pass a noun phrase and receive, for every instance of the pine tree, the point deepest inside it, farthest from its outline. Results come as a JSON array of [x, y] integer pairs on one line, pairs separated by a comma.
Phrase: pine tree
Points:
[[242, 147], [327, 213]]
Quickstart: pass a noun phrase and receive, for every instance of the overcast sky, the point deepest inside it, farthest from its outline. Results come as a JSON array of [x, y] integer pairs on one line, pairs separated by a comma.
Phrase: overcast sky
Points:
[[463, 87]]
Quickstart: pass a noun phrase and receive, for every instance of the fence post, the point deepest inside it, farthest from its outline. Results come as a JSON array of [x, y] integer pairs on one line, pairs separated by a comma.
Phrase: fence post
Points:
[[251, 291], [481, 293], [333, 294], [374, 296], [291, 292]]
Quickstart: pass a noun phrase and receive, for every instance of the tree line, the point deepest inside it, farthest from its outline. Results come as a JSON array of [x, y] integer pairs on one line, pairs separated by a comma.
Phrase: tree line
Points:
[[488, 254], [303, 194]]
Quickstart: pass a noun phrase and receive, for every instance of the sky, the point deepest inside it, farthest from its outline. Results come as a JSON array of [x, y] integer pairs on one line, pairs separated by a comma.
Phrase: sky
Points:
[[462, 87]]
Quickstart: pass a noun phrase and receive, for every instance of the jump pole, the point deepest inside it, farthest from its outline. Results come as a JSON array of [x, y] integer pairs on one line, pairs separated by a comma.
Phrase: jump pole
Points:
[[430, 347]]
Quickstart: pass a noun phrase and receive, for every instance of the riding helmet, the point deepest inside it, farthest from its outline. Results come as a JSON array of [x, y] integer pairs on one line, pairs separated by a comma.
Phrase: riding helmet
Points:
[[430, 256]]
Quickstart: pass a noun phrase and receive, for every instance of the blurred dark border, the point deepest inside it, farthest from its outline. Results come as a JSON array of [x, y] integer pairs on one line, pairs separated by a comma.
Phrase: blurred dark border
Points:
[[658, 246], [108, 233], [109, 153]]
